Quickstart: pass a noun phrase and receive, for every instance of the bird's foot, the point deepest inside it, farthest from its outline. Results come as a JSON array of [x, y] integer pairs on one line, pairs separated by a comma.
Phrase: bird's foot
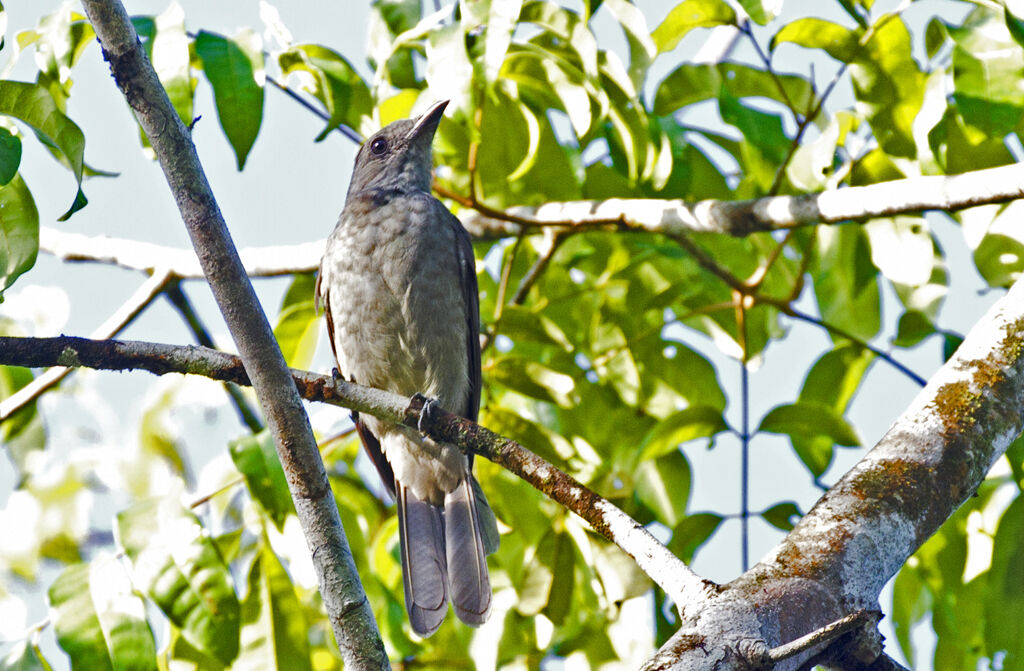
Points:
[[335, 374], [428, 413]]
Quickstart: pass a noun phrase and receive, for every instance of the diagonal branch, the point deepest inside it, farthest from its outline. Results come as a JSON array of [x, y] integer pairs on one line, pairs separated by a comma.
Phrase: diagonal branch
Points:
[[687, 589], [348, 610]]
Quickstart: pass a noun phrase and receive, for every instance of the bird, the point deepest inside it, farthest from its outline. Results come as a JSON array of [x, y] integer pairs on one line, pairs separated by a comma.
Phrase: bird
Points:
[[398, 287]]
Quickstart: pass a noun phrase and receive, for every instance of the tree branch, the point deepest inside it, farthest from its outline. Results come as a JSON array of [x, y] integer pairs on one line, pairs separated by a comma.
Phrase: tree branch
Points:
[[740, 218], [345, 601], [840, 555], [687, 589]]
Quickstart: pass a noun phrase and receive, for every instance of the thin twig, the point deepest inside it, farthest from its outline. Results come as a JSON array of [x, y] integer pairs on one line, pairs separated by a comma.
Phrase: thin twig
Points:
[[121, 317]]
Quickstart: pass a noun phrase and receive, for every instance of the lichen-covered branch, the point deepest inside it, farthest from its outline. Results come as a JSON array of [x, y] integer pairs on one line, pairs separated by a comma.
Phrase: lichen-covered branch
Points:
[[840, 555], [686, 588]]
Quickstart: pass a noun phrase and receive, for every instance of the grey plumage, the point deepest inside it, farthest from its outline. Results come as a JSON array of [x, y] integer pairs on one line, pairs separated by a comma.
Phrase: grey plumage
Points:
[[398, 287]]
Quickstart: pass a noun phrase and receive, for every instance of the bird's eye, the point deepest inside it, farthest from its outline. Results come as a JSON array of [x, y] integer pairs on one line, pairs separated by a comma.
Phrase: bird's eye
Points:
[[379, 146]]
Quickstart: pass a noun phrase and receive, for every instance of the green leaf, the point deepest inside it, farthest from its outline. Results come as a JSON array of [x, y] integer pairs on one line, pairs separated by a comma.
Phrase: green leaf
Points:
[[335, 83], [533, 379], [1000, 259], [34, 105], [781, 515], [235, 69], [19, 231], [836, 375], [663, 485], [837, 41], [256, 459], [10, 155], [298, 324], [1014, 25], [846, 281], [179, 567], [934, 36], [100, 623], [691, 533], [274, 634], [690, 14], [700, 421], [689, 84], [833, 380], [913, 328], [1004, 593], [809, 420]]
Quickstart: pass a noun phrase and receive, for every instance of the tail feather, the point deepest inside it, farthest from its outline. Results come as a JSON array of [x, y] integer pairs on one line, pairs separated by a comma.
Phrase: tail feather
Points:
[[422, 538], [466, 554]]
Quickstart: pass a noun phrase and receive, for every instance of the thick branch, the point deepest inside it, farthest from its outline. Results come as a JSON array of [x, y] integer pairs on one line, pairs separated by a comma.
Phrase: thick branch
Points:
[[672, 575], [841, 554], [347, 607], [670, 217]]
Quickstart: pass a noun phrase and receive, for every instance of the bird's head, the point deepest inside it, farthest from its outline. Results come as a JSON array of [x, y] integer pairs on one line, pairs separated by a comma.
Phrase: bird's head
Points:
[[398, 156]]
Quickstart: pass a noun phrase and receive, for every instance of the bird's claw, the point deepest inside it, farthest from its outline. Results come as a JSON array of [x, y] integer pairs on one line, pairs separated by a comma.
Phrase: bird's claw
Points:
[[335, 374], [428, 412]]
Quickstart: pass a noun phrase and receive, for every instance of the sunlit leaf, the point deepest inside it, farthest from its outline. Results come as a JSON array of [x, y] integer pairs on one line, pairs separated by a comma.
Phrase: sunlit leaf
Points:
[[100, 622], [809, 420], [35, 106], [298, 324], [19, 231], [533, 379], [837, 41], [691, 423], [334, 81], [274, 631], [690, 14], [256, 459], [178, 566]]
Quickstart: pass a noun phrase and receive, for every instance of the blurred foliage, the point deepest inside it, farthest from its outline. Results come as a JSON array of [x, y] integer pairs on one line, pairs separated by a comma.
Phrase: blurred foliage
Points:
[[604, 362]]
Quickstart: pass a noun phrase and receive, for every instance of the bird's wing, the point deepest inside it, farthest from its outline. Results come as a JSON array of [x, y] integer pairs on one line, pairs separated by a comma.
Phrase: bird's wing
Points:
[[370, 443], [471, 299]]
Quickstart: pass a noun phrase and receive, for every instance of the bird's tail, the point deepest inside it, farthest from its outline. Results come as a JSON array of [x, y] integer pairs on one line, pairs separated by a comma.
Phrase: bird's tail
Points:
[[465, 538], [422, 538]]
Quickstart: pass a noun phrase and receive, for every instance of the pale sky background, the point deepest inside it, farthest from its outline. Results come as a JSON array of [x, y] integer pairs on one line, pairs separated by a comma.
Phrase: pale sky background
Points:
[[292, 190]]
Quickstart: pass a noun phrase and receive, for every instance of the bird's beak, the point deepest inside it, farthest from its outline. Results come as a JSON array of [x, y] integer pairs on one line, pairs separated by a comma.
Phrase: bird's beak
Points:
[[427, 124]]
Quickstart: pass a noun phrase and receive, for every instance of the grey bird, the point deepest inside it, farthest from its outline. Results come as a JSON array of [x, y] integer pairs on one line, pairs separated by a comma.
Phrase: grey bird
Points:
[[398, 286]]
